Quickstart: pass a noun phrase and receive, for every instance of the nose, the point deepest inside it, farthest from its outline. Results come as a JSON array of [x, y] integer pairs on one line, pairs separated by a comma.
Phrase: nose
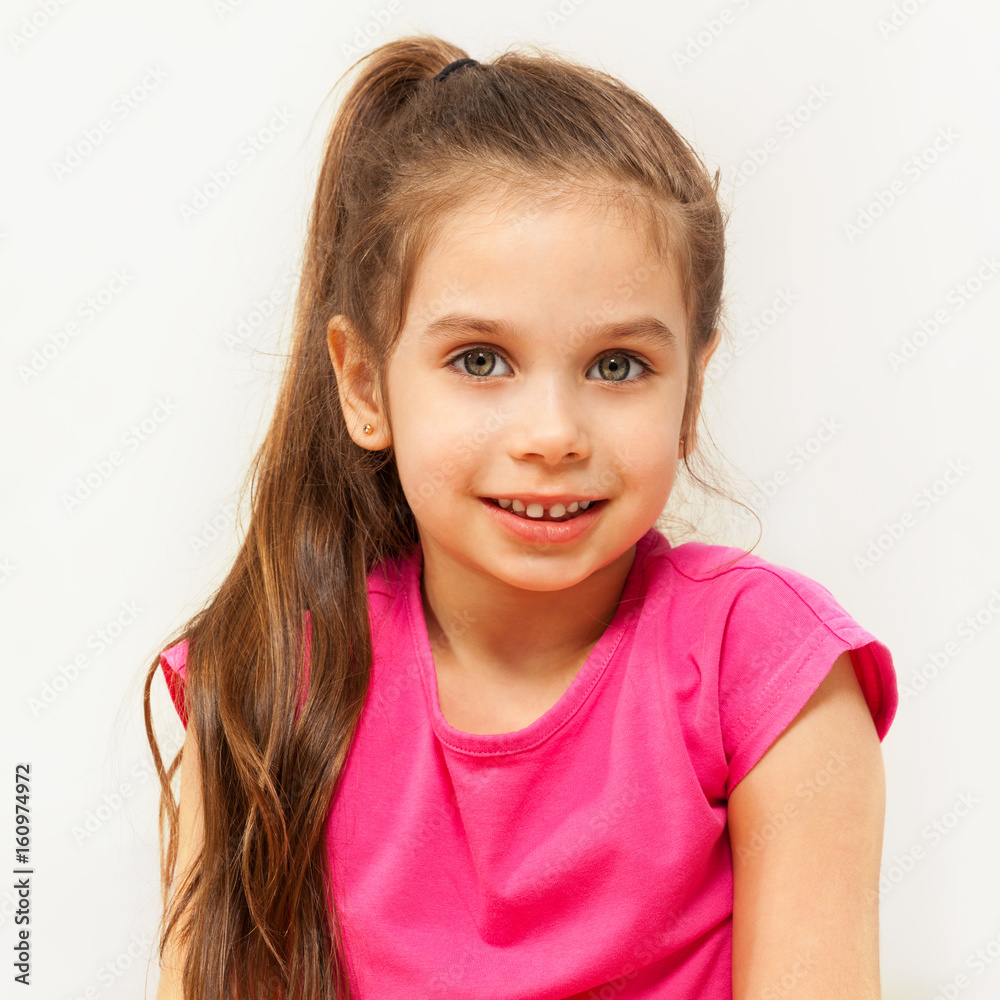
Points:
[[550, 423]]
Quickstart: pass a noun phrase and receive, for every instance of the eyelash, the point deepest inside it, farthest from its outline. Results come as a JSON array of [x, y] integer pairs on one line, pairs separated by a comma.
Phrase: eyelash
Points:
[[492, 350]]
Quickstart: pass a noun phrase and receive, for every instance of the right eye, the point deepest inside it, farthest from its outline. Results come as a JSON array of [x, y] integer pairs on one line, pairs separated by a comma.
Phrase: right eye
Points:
[[477, 363]]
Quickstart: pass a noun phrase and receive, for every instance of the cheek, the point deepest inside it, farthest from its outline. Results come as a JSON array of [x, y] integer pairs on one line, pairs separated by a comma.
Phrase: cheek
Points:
[[431, 451], [419, 418], [641, 444], [445, 428], [646, 463], [651, 468]]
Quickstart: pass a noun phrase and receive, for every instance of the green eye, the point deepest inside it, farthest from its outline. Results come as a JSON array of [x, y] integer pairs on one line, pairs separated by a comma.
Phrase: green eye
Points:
[[616, 367], [479, 361]]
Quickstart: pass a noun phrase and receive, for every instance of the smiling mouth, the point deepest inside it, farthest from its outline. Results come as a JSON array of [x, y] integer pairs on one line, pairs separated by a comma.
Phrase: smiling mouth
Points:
[[538, 512]]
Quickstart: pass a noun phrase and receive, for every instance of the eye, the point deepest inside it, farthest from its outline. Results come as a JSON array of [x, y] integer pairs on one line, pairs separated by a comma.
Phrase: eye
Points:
[[478, 362], [617, 366]]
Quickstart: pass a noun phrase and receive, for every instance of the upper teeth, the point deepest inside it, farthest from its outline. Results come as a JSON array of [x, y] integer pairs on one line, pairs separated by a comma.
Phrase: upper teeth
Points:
[[537, 510]]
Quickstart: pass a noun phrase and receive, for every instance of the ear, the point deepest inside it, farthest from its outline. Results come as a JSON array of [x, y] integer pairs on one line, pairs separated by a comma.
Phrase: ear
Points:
[[709, 349], [706, 355], [355, 386]]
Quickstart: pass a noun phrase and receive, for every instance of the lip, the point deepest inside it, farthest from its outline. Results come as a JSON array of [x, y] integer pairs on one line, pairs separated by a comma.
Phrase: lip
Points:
[[545, 531], [546, 501]]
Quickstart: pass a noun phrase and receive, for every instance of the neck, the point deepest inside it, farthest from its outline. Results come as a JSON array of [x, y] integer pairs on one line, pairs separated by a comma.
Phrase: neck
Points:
[[486, 628]]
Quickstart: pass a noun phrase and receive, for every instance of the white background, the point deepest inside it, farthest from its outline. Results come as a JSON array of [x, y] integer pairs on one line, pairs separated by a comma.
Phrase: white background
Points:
[[157, 351]]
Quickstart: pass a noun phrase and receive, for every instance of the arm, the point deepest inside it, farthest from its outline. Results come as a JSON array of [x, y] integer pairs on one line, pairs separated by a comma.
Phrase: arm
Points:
[[191, 835], [806, 827]]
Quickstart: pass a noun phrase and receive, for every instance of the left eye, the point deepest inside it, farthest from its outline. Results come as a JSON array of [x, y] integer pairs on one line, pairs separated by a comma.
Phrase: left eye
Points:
[[616, 367]]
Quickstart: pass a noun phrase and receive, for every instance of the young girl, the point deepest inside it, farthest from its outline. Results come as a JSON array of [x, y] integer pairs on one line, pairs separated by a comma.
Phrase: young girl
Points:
[[461, 722]]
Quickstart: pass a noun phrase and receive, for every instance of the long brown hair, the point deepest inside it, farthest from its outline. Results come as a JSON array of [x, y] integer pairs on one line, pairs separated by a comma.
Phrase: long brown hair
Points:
[[256, 914]]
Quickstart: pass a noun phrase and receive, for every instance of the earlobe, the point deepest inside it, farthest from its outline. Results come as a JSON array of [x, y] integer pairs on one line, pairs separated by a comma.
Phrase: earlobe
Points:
[[355, 387]]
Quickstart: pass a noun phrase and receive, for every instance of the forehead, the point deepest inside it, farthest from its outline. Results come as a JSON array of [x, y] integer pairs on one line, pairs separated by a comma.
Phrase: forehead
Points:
[[512, 212], [565, 258]]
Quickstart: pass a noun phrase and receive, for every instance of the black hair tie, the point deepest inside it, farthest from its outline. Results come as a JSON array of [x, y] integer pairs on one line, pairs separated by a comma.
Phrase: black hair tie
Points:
[[452, 66]]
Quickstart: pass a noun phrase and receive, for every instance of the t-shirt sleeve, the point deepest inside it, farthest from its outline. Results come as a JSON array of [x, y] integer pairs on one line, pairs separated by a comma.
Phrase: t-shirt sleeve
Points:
[[173, 661], [782, 635]]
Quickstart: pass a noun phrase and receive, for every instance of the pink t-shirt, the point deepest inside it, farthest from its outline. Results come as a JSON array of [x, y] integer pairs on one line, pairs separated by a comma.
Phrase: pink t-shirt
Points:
[[586, 855]]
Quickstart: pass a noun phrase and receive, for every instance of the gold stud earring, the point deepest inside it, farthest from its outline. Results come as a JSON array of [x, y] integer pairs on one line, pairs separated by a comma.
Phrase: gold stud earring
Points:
[[368, 428]]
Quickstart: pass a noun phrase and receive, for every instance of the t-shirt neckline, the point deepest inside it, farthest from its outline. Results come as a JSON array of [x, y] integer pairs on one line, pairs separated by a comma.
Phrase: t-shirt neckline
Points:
[[493, 744]]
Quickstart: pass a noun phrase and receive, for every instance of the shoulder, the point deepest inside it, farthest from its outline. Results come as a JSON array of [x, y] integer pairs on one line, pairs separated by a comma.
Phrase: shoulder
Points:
[[700, 562], [760, 637], [728, 580], [738, 615]]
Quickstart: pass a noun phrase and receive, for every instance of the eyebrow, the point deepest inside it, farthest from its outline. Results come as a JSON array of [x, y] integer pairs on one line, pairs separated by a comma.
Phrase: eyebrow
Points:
[[647, 328]]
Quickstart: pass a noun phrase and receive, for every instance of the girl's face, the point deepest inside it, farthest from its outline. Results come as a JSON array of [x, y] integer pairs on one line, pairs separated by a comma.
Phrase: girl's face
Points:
[[543, 356]]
